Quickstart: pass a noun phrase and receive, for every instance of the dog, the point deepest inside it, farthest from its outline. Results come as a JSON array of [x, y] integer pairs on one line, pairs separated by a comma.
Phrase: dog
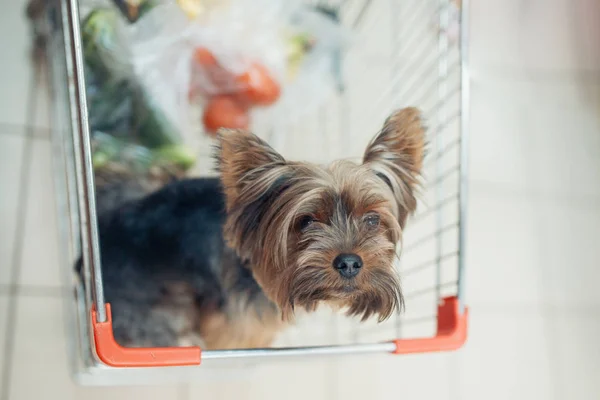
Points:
[[226, 262]]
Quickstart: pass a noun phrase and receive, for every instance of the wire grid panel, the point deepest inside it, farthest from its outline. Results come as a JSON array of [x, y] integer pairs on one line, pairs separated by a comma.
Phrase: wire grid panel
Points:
[[403, 55]]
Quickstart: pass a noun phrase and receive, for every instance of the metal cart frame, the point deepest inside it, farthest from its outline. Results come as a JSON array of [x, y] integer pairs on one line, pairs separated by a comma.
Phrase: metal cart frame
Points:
[[91, 327]]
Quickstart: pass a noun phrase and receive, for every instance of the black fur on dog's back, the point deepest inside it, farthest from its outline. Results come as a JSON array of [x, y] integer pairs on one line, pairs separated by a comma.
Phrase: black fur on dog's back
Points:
[[162, 260]]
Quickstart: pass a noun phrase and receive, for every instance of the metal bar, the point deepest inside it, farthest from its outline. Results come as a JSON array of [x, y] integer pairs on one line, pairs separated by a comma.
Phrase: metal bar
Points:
[[442, 89], [395, 45], [399, 75], [423, 266], [386, 347], [442, 153], [72, 143], [433, 133], [426, 238], [406, 322], [344, 9], [83, 156], [417, 38], [441, 103], [61, 111], [428, 92], [77, 320], [397, 98], [433, 208], [445, 175], [417, 83], [464, 150], [415, 14], [419, 293], [361, 13], [397, 60], [419, 320], [420, 100]]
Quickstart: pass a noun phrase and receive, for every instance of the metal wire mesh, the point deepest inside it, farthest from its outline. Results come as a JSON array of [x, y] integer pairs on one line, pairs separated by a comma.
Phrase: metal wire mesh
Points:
[[403, 58], [403, 55]]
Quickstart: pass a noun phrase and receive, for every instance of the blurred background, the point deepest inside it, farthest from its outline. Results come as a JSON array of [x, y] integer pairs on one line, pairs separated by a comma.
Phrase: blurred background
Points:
[[533, 202]]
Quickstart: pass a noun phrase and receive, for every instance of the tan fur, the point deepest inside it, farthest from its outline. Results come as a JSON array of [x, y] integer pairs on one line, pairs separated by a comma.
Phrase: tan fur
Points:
[[247, 321], [239, 330]]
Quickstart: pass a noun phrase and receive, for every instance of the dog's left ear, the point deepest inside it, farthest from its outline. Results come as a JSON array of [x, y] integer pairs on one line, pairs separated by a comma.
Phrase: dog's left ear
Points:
[[255, 179], [396, 156], [242, 158]]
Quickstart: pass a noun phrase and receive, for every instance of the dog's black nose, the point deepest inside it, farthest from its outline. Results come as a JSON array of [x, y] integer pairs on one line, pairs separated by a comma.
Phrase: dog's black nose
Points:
[[348, 265]]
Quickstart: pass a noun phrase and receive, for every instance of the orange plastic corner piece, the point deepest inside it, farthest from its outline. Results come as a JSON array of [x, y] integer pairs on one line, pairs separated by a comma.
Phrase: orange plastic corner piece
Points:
[[451, 331], [114, 355]]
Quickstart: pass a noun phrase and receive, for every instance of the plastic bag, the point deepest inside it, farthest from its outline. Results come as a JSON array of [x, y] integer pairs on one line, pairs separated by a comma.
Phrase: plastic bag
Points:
[[318, 73], [284, 57], [241, 60], [123, 106]]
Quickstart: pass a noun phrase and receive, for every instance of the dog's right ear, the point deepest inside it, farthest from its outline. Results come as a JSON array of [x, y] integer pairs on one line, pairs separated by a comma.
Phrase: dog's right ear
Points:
[[396, 157], [243, 159]]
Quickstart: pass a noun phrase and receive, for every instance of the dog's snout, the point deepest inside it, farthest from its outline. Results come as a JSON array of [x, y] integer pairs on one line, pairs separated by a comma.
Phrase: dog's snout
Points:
[[348, 265]]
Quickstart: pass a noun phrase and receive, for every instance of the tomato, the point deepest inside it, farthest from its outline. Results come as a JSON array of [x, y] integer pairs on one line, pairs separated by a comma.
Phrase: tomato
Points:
[[203, 57], [209, 77], [258, 87], [225, 111]]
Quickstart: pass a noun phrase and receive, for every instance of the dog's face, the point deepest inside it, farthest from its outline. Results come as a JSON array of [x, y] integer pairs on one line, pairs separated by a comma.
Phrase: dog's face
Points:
[[323, 234]]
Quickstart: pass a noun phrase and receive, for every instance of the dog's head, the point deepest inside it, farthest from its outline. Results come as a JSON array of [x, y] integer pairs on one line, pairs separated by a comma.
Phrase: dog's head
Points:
[[323, 234]]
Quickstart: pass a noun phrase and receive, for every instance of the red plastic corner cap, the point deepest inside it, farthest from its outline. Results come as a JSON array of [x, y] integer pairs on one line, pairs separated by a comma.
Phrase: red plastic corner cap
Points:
[[115, 355], [451, 331]]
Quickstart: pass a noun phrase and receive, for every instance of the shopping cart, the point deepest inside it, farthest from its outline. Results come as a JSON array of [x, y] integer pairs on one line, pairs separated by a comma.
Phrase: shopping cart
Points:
[[416, 57]]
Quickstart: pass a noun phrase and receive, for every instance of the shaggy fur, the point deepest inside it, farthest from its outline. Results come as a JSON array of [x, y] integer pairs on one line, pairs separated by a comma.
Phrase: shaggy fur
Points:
[[225, 263]]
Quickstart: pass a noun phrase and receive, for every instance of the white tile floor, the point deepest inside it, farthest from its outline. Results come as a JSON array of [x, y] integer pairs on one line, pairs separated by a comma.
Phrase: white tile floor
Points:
[[533, 231]]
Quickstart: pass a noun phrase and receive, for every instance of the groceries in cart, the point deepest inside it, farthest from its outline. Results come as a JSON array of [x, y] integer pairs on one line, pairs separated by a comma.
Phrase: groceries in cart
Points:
[[130, 131], [228, 262], [230, 97], [158, 74]]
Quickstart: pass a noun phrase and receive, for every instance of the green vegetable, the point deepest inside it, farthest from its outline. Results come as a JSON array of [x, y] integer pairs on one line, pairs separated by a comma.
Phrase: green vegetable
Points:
[[100, 159], [102, 45], [106, 144], [154, 129], [137, 158], [178, 155], [110, 107], [130, 130], [298, 46]]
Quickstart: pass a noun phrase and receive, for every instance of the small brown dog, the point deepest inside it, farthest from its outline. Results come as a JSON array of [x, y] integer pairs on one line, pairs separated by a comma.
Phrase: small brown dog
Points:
[[224, 263]]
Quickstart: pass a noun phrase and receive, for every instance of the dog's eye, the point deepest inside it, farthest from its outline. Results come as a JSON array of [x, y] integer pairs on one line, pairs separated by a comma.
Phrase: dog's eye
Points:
[[305, 222], [372, 220]]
